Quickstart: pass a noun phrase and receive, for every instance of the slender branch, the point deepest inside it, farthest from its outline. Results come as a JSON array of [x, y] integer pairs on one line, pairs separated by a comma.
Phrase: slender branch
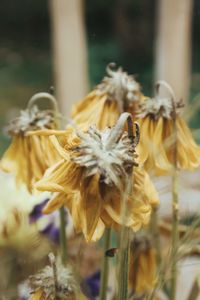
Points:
[[156, 235], [105, 266], [123, 264], [63, 238], [175, 221]]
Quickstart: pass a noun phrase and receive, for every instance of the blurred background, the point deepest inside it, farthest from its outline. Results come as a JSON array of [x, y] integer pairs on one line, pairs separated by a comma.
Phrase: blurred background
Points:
[[137, 35]]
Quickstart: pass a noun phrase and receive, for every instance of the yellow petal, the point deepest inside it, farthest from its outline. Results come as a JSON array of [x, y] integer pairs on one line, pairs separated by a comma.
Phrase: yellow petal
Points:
[[38, 295], [54, 203], [90, 206], [98, 231]]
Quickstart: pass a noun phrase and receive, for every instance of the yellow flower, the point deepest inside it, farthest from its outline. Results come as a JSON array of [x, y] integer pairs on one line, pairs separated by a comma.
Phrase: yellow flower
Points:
[[162, 128], [91, 176], [118, 92], [55, 282], [28, 157], [142, 271]]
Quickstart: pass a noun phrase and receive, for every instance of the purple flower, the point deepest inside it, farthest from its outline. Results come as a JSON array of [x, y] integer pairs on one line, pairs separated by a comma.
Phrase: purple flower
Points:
[[52, 232], [37, 211], [50, 227], [92, 285]]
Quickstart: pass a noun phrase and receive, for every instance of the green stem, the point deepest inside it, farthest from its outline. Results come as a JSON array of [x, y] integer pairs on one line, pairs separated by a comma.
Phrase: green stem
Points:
[[156, 235], [175, 221], [123, 265], [63, 238], [105, 266], [175, 238]]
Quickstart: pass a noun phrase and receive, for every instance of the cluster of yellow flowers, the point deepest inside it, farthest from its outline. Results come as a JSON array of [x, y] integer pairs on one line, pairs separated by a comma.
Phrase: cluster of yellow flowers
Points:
[[87, 166]]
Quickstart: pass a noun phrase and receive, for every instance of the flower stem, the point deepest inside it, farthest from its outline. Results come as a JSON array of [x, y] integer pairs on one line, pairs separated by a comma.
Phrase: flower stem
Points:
[[175, 221], [175, 238], [63, 238], [156, 235], [105, 266], [124, 249], [123, 265]]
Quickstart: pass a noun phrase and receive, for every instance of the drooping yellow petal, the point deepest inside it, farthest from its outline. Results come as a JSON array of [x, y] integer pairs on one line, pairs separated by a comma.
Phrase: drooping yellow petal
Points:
[[89, 110], [186, 147], [38, 295], [99, 230], [152, 149], [54, 203], [145, 187], [109, 115], [142, 270], [83, 105], [90, 206], [64, 177]]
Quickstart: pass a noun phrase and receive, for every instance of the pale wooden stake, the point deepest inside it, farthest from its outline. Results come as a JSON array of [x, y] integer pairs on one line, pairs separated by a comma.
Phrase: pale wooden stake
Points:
[[173, 45], [69, 52]]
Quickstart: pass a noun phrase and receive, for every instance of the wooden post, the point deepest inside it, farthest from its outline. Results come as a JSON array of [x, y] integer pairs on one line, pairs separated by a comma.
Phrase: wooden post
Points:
[[173, 45], [69, 52]]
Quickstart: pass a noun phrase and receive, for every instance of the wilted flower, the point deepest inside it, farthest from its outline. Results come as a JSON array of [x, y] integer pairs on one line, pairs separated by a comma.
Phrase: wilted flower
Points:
[[55, 282], [162, 128], [91, 176], [142, 270], [29, 156], [118, 92]]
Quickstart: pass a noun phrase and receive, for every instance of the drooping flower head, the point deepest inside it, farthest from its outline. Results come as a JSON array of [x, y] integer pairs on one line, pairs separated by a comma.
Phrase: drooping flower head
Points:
[[92, 175], [120, 87], [118, 92], [162, 130], [29, 156], [54, 282], [106, 153], [31, 119]]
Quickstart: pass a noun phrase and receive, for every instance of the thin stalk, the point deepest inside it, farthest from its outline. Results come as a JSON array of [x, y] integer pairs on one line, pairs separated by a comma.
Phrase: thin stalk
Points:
[[124, 264], [54, 268], [175, 238], [105, 266], [124, 249], [156, 235], [63, 238], [52, 99], [175, 221]]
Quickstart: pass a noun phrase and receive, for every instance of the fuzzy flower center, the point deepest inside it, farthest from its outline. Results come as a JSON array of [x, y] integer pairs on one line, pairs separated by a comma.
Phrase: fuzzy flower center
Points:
[[112, 160], [31, 119], [64, 286], [158, 107], [119, 86]]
